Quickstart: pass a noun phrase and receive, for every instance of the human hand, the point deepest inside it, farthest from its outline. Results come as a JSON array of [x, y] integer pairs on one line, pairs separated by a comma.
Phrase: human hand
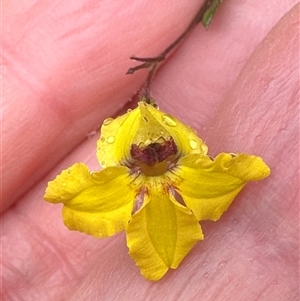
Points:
[[65, 73]]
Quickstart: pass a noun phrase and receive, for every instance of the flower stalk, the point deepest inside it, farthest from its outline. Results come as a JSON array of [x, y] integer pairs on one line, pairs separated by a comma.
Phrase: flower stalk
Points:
[[205, 15]]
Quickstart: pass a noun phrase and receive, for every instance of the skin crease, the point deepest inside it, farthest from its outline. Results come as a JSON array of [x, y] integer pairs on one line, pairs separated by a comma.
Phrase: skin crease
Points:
[[236, 84]]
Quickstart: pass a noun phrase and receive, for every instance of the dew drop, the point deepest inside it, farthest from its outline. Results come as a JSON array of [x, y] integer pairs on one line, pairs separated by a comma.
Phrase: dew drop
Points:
[[103, 163], [193, 143], [91, 134], [261, 275], [129, 110], [107, 172], [235, 221], [69, 171], [110, 139], [168, 120], [102, 139], [88, 254], [222, 264], [203, 148], [107, 121], [64, 184], [153, 136]]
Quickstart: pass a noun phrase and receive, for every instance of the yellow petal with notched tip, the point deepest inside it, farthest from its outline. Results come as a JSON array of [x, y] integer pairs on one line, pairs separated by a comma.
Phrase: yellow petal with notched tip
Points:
[[97, 203], [161, 234], [208, 187]]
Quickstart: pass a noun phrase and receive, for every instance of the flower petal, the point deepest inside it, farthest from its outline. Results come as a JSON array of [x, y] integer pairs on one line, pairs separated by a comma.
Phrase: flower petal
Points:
[[98, 203], [158, 124], [208, 187], [146, 125], [113, 147], [161, 233]]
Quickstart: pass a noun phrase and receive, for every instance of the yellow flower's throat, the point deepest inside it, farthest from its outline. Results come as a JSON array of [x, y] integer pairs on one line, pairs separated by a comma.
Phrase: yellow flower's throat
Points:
[[155, 158]]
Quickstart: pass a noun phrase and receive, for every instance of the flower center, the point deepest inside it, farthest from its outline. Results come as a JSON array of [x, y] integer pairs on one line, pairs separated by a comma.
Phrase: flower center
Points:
[[155, 158]]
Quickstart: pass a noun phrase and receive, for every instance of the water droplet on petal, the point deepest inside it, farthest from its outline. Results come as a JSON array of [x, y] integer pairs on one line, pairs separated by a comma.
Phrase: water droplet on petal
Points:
[[107, 172], [102, 139], [168, 120], [154, 137], [107, 121], [193, 144], [203, 148], [69, 171], [110, 139], [129, 110], [64, 184], [103, 164]]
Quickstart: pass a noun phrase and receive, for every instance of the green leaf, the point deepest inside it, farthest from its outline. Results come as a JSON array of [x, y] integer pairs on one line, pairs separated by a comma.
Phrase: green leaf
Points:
[[210, 12]]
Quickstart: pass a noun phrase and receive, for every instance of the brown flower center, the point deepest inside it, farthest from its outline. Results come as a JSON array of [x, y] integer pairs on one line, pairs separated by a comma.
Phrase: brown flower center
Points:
[[155, 158]]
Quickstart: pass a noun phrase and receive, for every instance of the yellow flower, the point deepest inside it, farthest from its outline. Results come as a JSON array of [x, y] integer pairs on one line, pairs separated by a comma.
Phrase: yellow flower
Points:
[[157, 184]]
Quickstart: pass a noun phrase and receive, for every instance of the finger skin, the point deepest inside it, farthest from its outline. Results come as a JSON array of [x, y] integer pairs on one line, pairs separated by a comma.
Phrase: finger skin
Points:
[[250, 254], [64, 67]]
